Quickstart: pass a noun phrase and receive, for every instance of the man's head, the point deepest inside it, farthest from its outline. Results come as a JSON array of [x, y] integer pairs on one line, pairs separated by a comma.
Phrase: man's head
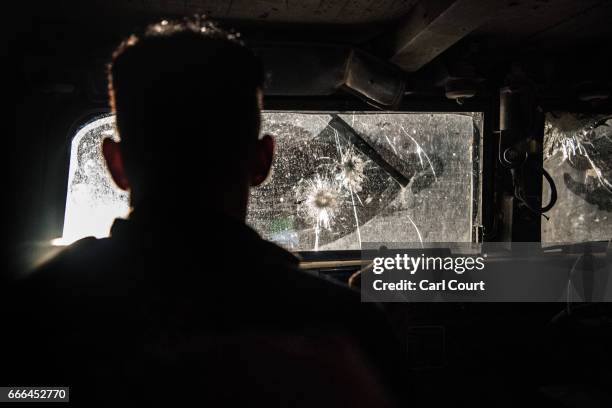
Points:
[[187, 98]]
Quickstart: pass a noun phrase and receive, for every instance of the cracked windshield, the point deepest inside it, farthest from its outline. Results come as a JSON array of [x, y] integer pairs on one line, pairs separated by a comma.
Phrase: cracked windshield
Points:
[[578, 156], [337, 180], [342, 179]]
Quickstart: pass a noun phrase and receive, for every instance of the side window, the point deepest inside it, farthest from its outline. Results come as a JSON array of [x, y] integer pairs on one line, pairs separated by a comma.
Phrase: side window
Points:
[[578, 156], [93, 200]]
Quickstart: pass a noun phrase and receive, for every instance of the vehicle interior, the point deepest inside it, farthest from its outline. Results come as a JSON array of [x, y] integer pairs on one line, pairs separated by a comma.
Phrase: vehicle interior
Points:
[[429, 122]]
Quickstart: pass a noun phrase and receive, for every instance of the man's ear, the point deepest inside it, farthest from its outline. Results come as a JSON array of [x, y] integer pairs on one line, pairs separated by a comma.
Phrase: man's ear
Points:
[[114, 162], [264, 153]]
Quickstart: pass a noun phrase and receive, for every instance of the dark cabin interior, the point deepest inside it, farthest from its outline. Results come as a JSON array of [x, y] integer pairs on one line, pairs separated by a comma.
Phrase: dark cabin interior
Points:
[[522, 70]]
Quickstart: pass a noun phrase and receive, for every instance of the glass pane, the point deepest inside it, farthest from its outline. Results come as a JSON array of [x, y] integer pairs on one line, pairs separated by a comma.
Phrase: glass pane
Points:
[[578, 156], [339, 180], [93, 200]]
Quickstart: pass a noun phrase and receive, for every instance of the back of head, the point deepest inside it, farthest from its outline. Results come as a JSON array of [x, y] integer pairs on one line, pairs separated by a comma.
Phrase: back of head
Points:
[[187, 100]]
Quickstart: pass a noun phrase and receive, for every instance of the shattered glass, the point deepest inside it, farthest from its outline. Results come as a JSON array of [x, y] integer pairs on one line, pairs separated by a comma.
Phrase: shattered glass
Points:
[[337, 180], [93, 200], [340, 180], [578, 156]]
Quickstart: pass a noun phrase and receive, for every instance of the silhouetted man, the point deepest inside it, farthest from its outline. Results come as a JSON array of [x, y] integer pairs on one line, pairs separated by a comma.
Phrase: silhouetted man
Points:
[[184, 298]]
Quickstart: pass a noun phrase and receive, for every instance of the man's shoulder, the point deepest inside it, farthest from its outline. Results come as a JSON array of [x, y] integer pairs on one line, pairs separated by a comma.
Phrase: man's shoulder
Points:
[[282, 266], [263, 269], [77, 264], [314, 293]]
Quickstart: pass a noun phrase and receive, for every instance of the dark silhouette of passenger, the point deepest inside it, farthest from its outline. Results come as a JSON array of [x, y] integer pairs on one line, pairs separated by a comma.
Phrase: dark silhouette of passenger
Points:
[[184, 300]]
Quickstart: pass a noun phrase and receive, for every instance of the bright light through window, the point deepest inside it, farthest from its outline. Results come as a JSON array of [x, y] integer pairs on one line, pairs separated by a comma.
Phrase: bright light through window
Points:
[[337, 180], [93, 200]]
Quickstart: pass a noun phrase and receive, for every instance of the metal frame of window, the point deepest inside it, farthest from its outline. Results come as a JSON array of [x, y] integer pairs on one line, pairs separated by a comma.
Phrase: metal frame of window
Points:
[[483, 210], [483, 187]]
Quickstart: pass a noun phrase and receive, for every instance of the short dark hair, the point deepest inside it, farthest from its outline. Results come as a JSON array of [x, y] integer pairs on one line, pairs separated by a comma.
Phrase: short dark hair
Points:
[[187, 83]]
